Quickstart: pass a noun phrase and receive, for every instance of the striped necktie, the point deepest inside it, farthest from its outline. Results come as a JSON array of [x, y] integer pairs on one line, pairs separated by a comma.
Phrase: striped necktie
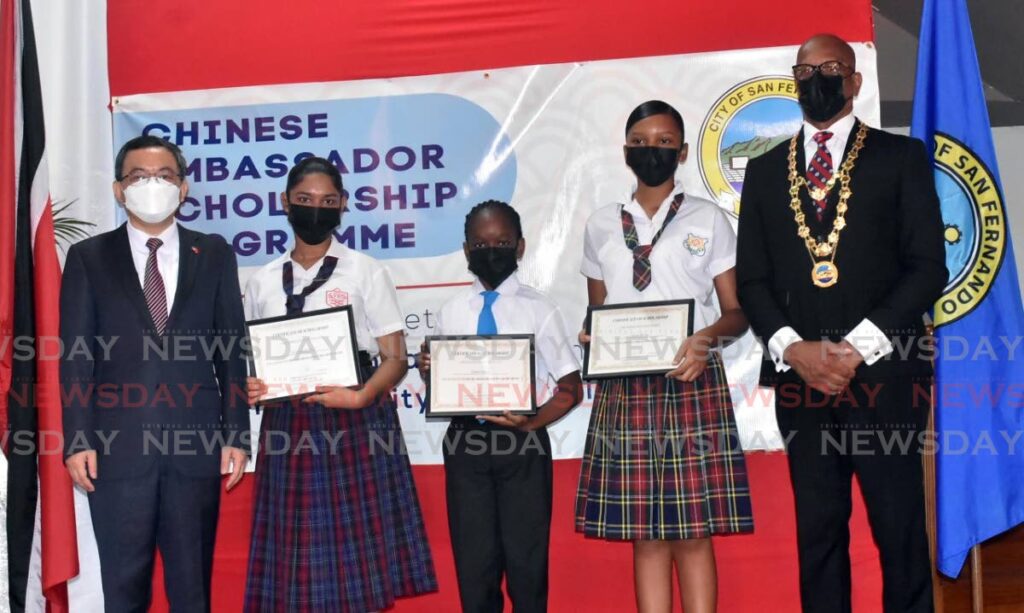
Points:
[[153, 288], [819, 171]]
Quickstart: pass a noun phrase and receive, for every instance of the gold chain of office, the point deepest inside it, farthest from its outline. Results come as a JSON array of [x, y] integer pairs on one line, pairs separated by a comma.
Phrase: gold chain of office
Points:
[[823, 273]]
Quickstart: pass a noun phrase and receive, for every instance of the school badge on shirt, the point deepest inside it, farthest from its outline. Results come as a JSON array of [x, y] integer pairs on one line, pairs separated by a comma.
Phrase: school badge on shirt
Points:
[[336, 297], [696, 245]]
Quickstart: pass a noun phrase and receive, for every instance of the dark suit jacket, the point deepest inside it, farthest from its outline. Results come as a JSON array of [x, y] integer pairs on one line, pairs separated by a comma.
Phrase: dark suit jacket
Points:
[[180, 394], [890, 257]]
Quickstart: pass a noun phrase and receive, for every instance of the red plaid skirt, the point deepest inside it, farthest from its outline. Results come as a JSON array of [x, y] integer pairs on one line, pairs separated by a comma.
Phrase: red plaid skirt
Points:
[[663, 461], [336, 522]]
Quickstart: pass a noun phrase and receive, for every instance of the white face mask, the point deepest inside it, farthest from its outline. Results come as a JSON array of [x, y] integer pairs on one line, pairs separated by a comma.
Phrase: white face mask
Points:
[[152, 200]]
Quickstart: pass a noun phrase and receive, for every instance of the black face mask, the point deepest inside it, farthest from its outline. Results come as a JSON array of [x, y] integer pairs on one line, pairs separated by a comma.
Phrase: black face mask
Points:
[[821, 97], [313, 224], [493, 264], [652, 165]]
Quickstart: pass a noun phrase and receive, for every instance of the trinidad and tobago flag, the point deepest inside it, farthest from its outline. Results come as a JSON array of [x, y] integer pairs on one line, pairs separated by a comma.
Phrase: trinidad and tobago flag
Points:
[[29, 290]]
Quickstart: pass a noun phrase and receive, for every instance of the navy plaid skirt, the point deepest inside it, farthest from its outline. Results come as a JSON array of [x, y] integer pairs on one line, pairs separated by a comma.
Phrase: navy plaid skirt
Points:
[[336, 522], [663, 461]]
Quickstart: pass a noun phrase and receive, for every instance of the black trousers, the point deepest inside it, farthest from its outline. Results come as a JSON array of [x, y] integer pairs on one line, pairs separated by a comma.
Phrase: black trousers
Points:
[[874, 431], [498, 486], [133, 517]]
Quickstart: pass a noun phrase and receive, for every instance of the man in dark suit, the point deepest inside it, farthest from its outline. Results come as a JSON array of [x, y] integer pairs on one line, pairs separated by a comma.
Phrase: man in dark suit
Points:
[[840, 254], [155, 412]]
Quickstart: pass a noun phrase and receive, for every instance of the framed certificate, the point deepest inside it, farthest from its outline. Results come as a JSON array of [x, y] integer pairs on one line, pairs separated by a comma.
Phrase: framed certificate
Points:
[[480, 375], [635, 339], [293, 354]]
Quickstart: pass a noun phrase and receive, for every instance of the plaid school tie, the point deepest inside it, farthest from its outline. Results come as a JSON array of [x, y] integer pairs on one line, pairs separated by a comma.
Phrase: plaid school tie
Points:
[[153, 288], [819, 171], [642, 253], [294, 303]]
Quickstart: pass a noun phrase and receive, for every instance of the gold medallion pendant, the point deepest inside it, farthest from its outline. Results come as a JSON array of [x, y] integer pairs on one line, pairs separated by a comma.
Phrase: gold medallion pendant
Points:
[[824, 274]]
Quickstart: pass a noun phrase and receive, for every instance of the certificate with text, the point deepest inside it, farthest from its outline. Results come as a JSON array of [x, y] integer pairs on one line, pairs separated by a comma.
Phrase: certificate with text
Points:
[[481, 375], [293, 354], [636, 338]]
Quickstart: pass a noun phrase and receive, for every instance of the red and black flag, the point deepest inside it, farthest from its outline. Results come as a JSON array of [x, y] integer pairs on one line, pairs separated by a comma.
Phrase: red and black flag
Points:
[[30, 407]]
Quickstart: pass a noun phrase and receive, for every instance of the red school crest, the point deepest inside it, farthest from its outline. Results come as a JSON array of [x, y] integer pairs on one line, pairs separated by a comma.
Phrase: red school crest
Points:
[[336, 297]]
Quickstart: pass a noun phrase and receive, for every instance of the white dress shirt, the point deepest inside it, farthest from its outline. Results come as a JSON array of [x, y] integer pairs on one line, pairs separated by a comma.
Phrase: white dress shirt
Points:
[[836, 145], [870, 342], [519, 309], [698, 245], [166, 258], [358, 279]]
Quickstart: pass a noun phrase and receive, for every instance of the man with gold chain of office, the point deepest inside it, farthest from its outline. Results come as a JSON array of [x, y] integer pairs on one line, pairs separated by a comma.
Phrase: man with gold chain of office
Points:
[[839, 256]]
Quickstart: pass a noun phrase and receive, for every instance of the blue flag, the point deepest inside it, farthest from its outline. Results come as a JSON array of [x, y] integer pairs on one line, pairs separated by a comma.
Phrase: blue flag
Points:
[[979, 320]]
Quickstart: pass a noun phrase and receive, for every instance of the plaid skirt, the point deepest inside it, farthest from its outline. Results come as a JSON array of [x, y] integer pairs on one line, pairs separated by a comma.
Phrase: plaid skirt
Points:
[[336, 522], [662, 461]]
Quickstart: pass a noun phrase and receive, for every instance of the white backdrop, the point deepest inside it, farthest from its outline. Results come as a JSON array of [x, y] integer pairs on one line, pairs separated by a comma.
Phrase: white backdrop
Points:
[[557, 130]]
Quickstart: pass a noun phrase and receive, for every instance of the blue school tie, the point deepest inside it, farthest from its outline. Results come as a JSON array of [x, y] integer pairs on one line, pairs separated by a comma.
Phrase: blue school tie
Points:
[[486, 323]]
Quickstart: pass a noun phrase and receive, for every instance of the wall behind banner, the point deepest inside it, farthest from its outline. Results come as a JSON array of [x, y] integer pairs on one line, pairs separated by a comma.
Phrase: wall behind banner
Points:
[[417, 153], [204, 44]]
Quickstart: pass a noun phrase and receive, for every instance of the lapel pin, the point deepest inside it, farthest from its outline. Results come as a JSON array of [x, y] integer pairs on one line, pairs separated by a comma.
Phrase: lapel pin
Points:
[[195, 250]]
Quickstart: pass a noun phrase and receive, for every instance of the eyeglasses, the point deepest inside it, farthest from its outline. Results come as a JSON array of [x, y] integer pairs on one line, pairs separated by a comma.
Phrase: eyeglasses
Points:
[[164, 175], [832, 68]]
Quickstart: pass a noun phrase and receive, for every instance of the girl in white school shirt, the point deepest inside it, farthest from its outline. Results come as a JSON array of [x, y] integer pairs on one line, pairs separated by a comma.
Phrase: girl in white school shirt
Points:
[[662, 466], [336, 523]]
